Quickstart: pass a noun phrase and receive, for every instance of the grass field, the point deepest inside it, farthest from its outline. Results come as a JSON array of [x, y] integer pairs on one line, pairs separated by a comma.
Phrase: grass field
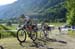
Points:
[[57, 24], [71, 33], [5, 31]]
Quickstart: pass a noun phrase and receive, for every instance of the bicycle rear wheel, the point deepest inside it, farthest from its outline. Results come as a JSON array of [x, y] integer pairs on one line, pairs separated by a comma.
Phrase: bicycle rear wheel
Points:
[[33, 35]]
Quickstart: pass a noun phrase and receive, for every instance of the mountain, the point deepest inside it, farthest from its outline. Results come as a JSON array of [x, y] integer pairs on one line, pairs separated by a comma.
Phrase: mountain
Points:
[[29, 7]]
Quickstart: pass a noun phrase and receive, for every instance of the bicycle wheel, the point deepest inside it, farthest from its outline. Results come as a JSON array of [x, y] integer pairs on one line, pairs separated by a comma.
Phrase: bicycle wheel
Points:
[[41, 34], [21, 35], [33, 35]]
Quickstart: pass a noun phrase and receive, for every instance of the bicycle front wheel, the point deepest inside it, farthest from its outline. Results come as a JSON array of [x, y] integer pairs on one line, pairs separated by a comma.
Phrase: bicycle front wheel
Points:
[[21, 35]]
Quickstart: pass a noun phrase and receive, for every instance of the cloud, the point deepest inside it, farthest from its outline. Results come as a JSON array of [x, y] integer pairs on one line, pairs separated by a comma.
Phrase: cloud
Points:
[[5, 2]]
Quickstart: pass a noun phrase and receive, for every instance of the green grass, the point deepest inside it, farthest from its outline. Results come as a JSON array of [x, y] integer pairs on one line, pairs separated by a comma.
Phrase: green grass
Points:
[[4, 33], [57, 24], [13, 27], [71, 33]]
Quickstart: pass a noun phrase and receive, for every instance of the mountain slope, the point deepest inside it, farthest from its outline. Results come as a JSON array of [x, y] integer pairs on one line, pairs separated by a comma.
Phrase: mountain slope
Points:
[[27, 7]]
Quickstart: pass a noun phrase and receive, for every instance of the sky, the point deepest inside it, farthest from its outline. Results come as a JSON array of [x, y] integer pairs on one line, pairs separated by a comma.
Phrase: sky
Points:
[[5, 2]]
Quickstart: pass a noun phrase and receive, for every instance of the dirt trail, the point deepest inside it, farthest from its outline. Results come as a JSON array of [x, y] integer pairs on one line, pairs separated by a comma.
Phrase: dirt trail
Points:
[[57, 41]]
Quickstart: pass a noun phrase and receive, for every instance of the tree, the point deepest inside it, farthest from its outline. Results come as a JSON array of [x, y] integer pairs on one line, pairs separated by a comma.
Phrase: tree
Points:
[[9, 23], [70, 5]]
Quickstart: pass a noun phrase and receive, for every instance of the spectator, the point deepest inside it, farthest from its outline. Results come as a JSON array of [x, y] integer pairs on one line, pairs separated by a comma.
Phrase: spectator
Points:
[[59, 28], [73, 27]]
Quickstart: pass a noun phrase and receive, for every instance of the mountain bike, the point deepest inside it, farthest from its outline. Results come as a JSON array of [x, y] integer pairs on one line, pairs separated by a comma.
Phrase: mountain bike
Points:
[[45, 30], [31, 31]]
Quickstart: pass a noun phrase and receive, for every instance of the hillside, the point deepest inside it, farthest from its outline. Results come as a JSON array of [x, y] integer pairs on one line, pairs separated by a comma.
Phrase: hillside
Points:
[[32, 8]]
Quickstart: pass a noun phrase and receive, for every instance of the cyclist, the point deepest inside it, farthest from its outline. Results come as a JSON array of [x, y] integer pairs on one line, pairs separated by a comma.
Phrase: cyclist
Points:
[[25, 20], [46, 28], [45, 25], [27, 28]]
